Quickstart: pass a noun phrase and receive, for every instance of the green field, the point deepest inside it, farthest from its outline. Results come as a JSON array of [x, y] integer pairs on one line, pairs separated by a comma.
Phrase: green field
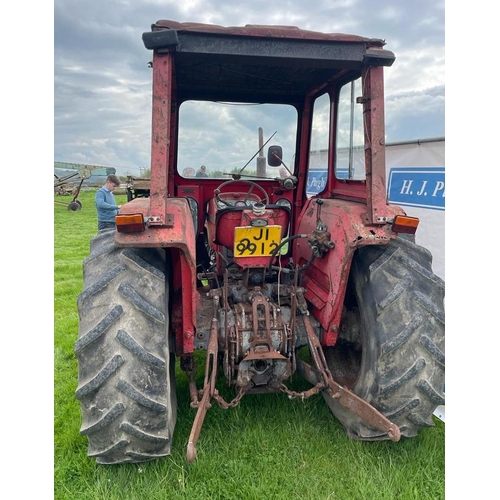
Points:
[[267, 447]]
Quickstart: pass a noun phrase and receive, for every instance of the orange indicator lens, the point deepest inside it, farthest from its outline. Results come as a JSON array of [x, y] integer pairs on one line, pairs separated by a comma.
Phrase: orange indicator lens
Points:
[[405, 224], [130, 223]]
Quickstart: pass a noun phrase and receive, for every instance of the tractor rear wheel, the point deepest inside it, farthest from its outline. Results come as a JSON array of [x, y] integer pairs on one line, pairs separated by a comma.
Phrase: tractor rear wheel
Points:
[[391, 346], [125, 367]]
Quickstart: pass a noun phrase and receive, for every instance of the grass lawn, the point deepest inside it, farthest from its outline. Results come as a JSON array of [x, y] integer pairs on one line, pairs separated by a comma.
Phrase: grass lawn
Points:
[[267, 447]]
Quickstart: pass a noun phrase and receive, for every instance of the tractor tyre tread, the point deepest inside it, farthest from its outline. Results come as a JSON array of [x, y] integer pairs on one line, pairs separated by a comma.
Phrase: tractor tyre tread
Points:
[[126, 384], [401, 313]]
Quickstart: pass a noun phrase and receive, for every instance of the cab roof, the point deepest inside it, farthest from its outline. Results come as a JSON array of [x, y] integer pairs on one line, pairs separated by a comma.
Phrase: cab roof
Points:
[[257, 63]]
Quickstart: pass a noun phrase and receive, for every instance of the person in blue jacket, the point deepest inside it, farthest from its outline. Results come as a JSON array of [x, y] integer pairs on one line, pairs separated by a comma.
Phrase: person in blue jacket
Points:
[[202, 172], [106, 204]]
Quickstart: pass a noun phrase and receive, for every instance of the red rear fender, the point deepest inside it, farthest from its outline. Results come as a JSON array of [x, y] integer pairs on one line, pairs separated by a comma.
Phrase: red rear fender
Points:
[[178, 234]]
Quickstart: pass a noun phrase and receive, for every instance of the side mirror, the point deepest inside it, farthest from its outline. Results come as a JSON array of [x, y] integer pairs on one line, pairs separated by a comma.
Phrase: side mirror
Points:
[[274, 156]]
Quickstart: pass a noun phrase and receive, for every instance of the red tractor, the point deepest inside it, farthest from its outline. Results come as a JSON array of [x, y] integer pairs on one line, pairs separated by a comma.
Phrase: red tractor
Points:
[[270, 267]]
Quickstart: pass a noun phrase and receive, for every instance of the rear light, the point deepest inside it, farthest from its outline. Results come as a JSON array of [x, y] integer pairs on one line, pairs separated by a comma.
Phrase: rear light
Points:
[[130, 223], [405, 224]]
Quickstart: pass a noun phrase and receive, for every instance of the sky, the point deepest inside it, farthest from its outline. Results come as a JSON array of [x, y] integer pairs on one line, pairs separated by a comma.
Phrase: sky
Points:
[[102, 83]]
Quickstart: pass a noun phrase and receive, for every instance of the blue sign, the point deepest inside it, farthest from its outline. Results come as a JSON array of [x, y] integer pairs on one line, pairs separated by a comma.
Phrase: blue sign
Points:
[[421, 187], [316, 179]]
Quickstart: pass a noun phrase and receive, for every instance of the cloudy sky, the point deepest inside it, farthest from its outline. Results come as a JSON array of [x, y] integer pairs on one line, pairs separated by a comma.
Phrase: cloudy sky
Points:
[[102, 83]]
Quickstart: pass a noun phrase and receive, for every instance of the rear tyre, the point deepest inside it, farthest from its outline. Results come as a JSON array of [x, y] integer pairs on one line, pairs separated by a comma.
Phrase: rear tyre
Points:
[[74, 206], [126, 381], [391, 346]]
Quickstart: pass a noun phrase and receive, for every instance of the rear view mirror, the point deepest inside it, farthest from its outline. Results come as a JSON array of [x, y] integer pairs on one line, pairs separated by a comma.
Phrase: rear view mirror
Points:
[[274, 156]]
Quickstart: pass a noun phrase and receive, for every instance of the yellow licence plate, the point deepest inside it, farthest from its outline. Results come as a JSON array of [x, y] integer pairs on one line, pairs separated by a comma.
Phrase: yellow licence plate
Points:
[[256, 241]]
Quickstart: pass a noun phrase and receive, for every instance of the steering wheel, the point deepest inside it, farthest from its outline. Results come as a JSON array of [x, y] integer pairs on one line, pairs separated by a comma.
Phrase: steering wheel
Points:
[[252, 186]]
